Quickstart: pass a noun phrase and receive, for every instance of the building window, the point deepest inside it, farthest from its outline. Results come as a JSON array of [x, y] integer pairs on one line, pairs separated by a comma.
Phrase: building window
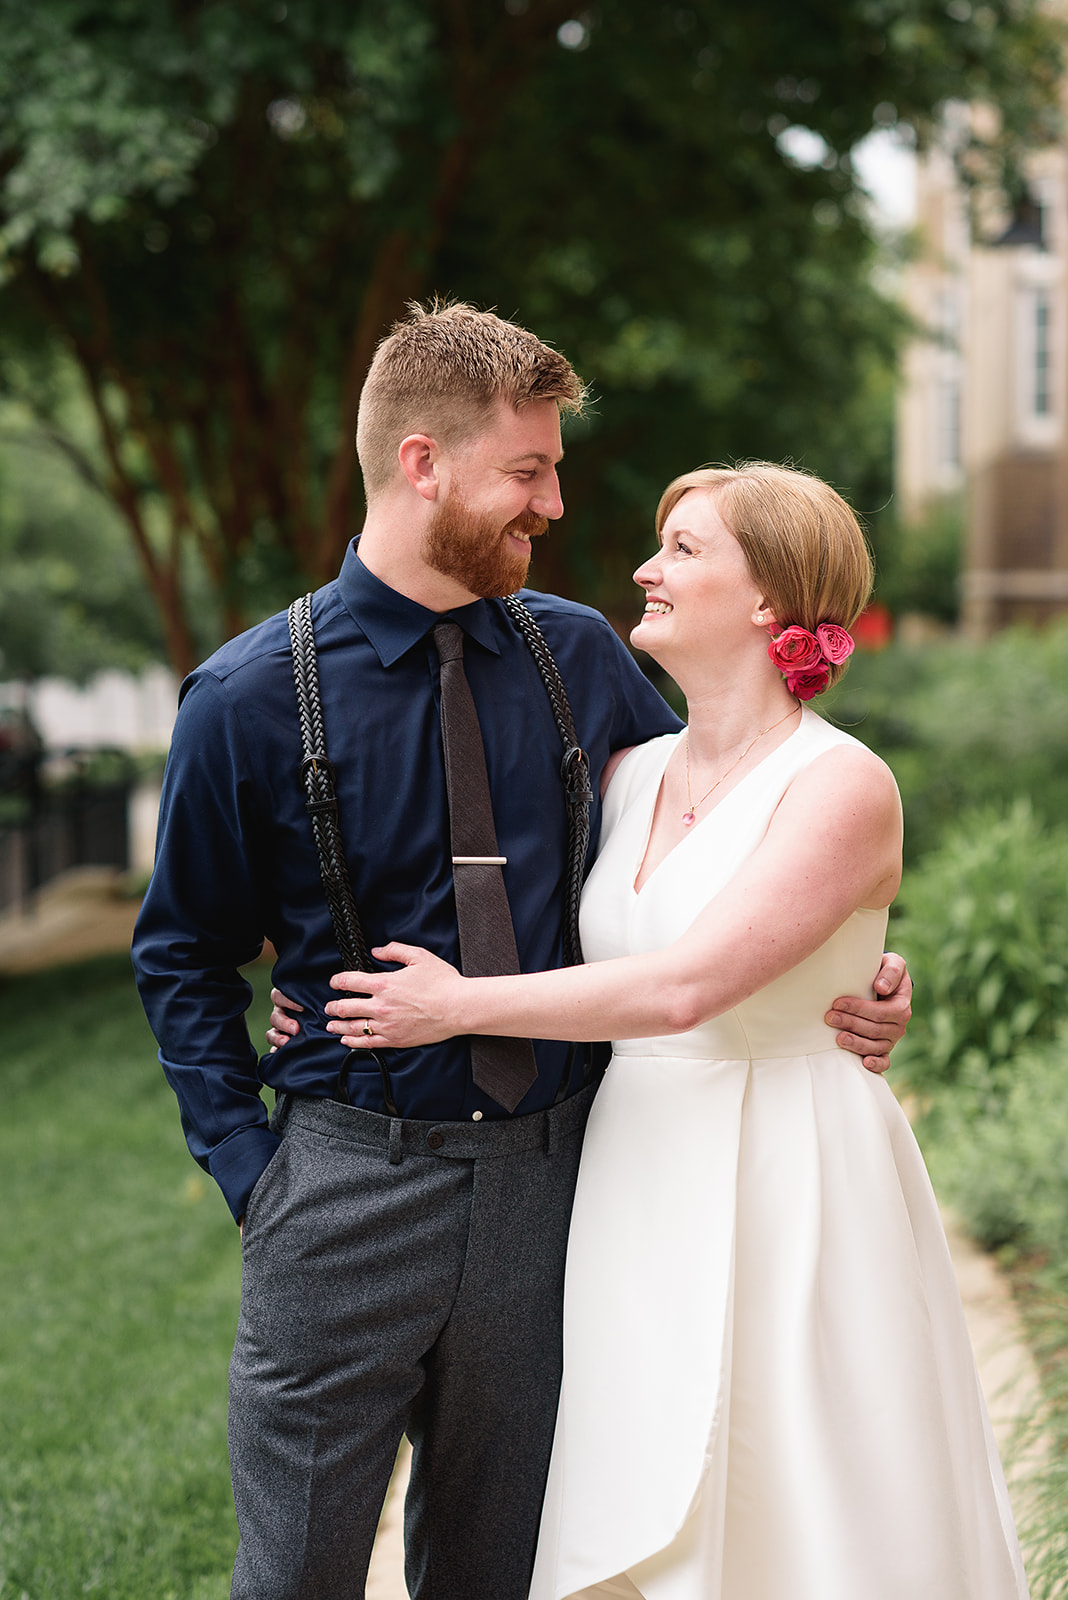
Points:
[[1041, 396], [949, 452], [1037, 381]]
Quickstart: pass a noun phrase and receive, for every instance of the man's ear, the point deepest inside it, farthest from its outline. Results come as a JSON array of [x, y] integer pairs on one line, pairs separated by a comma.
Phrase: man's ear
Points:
[[419, 457]]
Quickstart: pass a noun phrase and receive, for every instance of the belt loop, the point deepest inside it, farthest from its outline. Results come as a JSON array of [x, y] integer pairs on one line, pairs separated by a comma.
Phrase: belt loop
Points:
[[395, 1128]]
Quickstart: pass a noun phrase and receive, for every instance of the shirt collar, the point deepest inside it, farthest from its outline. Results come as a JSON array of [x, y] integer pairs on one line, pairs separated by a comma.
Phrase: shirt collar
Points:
[[393, 623]]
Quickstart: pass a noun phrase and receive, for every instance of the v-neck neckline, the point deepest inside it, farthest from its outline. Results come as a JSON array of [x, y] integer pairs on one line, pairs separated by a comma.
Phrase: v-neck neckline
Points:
[[691, 831]]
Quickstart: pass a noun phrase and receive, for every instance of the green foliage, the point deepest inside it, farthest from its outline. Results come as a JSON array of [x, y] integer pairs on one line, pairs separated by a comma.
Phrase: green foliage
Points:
[[985, 931], [1006, 1172], [121, 1271], [219, 208], [72, 600], [919, 563], [965, 725], [984, 928]]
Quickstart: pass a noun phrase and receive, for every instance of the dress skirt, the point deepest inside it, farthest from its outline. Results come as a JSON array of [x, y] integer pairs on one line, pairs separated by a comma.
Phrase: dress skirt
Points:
[[769, 1391]]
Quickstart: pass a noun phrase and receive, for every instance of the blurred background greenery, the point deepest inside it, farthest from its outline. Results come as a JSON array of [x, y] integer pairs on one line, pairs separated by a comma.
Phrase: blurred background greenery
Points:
[[210, 211], [209, 214]]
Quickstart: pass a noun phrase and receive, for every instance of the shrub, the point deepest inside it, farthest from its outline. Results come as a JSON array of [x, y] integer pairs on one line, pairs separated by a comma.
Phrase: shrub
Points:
[[964, 724], [1007, 1174], [919, 562], [984, 927], [984, 924]]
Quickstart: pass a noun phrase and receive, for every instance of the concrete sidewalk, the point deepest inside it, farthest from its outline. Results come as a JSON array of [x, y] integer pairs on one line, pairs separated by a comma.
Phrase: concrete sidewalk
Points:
[[82, 914]]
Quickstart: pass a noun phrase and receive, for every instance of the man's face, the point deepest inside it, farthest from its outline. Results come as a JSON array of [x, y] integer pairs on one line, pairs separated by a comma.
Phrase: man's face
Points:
[[503, 490]]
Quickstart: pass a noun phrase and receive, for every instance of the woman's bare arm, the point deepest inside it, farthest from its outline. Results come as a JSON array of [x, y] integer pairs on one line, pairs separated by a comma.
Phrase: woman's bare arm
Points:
[[833, 845], [610, 766]]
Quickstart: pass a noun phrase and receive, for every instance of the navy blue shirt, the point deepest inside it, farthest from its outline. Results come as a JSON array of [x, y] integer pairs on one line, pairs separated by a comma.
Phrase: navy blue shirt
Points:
[[236, 860]]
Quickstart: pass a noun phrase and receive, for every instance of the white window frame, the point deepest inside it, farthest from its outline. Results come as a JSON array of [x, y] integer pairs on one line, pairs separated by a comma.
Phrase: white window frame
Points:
[[1038, 287], [947, 389]]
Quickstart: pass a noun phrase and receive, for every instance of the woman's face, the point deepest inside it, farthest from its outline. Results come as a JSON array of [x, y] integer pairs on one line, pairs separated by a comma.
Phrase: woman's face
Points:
[[700, 596]]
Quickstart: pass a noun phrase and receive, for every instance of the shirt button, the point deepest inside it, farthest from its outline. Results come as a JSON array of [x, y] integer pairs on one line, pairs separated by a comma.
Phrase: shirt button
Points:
[[435, 1141], [476, 1116]]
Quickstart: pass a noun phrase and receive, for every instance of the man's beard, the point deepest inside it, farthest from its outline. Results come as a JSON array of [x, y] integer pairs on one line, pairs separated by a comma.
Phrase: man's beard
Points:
[[473, 548]]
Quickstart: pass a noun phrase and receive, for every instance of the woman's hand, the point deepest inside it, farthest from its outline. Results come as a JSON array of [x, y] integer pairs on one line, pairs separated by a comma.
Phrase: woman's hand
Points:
[[282, 1026], [420, 1004]]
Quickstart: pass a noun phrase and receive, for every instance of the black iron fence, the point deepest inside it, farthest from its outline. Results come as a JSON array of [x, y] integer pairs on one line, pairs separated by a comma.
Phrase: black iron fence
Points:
[[81, 821]]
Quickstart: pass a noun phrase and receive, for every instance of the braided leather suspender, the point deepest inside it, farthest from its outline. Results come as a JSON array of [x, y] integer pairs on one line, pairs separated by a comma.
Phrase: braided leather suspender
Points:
[[574, 770], [318, 780]]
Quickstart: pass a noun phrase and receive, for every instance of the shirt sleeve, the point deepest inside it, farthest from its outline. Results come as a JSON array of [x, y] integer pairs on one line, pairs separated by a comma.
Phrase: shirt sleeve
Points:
[[201, 920]]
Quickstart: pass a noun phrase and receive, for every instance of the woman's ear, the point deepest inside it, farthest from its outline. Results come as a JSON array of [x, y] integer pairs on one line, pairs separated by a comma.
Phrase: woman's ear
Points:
[[763, 616]]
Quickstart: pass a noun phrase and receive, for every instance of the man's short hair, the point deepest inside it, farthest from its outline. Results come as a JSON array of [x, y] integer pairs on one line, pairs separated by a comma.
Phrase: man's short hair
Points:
[[442, 371]]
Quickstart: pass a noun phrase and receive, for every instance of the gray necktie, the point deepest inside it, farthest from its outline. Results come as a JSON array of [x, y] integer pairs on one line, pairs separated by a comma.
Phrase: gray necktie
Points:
[[503, 1068]]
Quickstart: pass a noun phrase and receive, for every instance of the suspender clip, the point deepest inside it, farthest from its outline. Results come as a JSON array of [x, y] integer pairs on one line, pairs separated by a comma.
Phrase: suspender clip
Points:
[[575, 771]]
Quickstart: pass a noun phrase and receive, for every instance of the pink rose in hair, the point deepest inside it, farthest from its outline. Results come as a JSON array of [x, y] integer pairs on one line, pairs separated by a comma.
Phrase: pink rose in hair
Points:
[[835, 642], [810, 682], [795, 650]]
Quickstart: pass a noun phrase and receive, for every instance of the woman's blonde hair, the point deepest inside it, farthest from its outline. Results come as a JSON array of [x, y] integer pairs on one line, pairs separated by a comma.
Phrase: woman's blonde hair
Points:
[[804, 546]]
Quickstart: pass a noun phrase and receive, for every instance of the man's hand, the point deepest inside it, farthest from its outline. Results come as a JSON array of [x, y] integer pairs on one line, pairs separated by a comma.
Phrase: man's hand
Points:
[[871, 1028], [282, 1025]]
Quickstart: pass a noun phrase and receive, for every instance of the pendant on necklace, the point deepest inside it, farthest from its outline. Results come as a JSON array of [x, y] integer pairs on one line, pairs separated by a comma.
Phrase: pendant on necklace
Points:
[[688, 819]]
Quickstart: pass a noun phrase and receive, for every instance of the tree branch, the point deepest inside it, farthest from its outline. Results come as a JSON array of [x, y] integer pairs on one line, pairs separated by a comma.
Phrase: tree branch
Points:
[[164, 578], [482, 90], [47, 436]]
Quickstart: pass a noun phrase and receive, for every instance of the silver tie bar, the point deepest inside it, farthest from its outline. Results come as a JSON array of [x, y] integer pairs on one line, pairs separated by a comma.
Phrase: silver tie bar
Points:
[[480, 861]]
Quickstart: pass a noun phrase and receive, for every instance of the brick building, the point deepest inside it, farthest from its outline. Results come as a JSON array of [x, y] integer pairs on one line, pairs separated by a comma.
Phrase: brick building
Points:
[[982, 405]]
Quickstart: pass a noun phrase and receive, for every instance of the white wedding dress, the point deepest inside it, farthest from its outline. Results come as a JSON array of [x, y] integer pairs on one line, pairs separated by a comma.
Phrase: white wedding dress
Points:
[[769, 1391]]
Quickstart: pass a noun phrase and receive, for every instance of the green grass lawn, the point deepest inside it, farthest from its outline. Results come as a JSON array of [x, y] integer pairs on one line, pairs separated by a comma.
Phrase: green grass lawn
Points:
[[119, 1275]]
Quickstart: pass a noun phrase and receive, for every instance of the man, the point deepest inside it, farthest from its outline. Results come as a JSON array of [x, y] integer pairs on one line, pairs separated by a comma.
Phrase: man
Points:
[[400, 1272]]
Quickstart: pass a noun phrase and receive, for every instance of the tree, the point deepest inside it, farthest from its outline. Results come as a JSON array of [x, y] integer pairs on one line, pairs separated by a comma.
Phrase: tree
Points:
[[214, 209], [73, 600]]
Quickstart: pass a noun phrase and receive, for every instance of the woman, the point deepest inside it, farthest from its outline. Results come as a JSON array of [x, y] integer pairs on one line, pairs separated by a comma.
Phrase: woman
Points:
[[768, 1390]]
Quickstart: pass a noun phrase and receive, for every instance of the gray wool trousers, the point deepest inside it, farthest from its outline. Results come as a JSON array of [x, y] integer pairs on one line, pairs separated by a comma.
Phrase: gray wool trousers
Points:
[[399, 1276]]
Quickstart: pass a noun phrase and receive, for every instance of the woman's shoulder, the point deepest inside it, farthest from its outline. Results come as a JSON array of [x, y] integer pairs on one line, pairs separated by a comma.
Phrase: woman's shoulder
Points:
[[840, 804], [645, 758], [831, 765], [819, 737], [642, 765], [819, 734]]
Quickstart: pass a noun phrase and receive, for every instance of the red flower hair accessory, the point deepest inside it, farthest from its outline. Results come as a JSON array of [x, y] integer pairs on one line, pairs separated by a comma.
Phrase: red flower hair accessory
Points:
[[835, 642], [805, 658], [803, 685], [795, 649]]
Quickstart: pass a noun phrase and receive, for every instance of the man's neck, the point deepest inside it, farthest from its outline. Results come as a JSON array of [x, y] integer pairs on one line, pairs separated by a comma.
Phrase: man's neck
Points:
[[397, 561]]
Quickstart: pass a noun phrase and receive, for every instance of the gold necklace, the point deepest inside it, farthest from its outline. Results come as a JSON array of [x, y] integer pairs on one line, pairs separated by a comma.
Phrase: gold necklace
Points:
[[688, 817]]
